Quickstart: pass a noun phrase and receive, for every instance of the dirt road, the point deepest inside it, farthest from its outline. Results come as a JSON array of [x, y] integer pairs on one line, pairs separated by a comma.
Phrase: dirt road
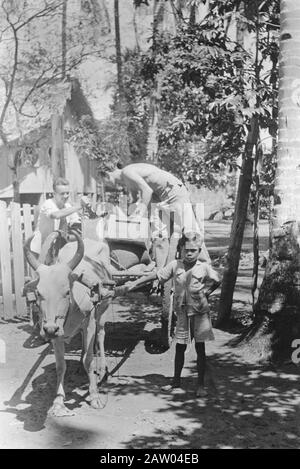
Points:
[[248, 406]]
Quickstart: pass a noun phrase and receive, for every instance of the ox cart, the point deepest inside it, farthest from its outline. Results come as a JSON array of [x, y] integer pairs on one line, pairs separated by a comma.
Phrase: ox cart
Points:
[[74, 284], [132, 255]]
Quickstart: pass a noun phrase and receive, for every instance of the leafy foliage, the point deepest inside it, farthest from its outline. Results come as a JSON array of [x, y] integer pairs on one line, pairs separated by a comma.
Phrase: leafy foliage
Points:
[[138, 3], [93, 142], [122, 136], [211, 88]]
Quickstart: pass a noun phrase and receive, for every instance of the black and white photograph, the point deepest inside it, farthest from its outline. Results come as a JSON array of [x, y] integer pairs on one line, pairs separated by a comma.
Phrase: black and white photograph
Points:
[[149, 227]]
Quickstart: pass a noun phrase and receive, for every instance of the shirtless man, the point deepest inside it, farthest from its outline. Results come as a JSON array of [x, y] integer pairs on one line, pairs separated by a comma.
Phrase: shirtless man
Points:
[[167, 194]]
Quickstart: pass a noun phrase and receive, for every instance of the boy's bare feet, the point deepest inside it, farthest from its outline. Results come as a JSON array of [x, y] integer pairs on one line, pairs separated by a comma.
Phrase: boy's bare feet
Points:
[[201, 392], [173, 388]]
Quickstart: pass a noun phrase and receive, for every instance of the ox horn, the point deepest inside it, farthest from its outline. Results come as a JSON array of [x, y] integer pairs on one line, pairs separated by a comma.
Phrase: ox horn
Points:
[[49, 255], [30, 257], [78, 254], [47, 244]]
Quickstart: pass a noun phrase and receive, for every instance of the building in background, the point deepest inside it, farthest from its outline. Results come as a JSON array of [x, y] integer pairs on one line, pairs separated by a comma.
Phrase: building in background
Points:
[[34, 173]]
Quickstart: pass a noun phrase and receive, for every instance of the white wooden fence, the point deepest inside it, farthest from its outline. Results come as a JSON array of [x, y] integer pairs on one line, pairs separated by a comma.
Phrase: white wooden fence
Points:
[[16, 225]]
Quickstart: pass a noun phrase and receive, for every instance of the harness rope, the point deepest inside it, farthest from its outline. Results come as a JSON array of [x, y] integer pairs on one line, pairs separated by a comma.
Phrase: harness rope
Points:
[[115, 359]]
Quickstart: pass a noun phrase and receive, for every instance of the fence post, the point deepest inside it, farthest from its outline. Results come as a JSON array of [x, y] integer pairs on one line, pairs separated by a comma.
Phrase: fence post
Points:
[[18, 258], [5, 263], [28, 219]]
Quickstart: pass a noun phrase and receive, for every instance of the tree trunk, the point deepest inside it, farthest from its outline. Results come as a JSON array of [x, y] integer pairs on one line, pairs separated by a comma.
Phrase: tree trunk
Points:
[[14, 163], [165, 17], [101, 15], [152, 140], [64, 40], [240, 36], [16, 185], [256, 192], [57, 150], [254, 283], [57, 120], [241, 205], [154, 112], [118, 50], [192, 18], [238, 225], [177, 11], [136, 33], [277, 317], [121, 107]]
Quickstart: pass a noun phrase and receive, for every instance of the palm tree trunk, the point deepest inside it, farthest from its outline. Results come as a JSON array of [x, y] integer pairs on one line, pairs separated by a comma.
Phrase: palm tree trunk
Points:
[[277, 312]]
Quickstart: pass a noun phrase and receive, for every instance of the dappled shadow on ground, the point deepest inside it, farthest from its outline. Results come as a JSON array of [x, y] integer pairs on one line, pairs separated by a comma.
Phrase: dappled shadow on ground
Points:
[[122, 335], [34, 340], [247, 407], [138, 308], [66, 435], [241, 317], [61, 431], [41, 397], [15, 320], [138, 319]]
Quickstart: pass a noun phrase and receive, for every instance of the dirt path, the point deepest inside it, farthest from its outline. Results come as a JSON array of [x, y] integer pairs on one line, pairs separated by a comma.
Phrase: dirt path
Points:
[[248, 406]]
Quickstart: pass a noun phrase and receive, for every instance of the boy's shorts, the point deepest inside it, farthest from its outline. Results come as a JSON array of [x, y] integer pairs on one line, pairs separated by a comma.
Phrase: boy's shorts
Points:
[[197, 326]]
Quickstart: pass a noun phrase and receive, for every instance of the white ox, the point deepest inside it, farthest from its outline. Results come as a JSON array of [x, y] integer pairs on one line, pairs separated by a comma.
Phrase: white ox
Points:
[[66, 307]]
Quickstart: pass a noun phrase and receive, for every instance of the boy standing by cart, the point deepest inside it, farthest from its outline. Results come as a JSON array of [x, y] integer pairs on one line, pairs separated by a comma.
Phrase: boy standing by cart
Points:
[[194, 281]]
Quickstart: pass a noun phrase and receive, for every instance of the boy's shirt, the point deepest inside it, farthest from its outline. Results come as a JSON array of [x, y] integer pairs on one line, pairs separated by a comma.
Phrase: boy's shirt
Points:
[[189, 285], [46, 224]]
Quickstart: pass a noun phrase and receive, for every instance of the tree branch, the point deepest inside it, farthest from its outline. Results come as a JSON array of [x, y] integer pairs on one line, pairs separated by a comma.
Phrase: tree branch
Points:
[[13, 75], [31, 91], [40, 14]]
